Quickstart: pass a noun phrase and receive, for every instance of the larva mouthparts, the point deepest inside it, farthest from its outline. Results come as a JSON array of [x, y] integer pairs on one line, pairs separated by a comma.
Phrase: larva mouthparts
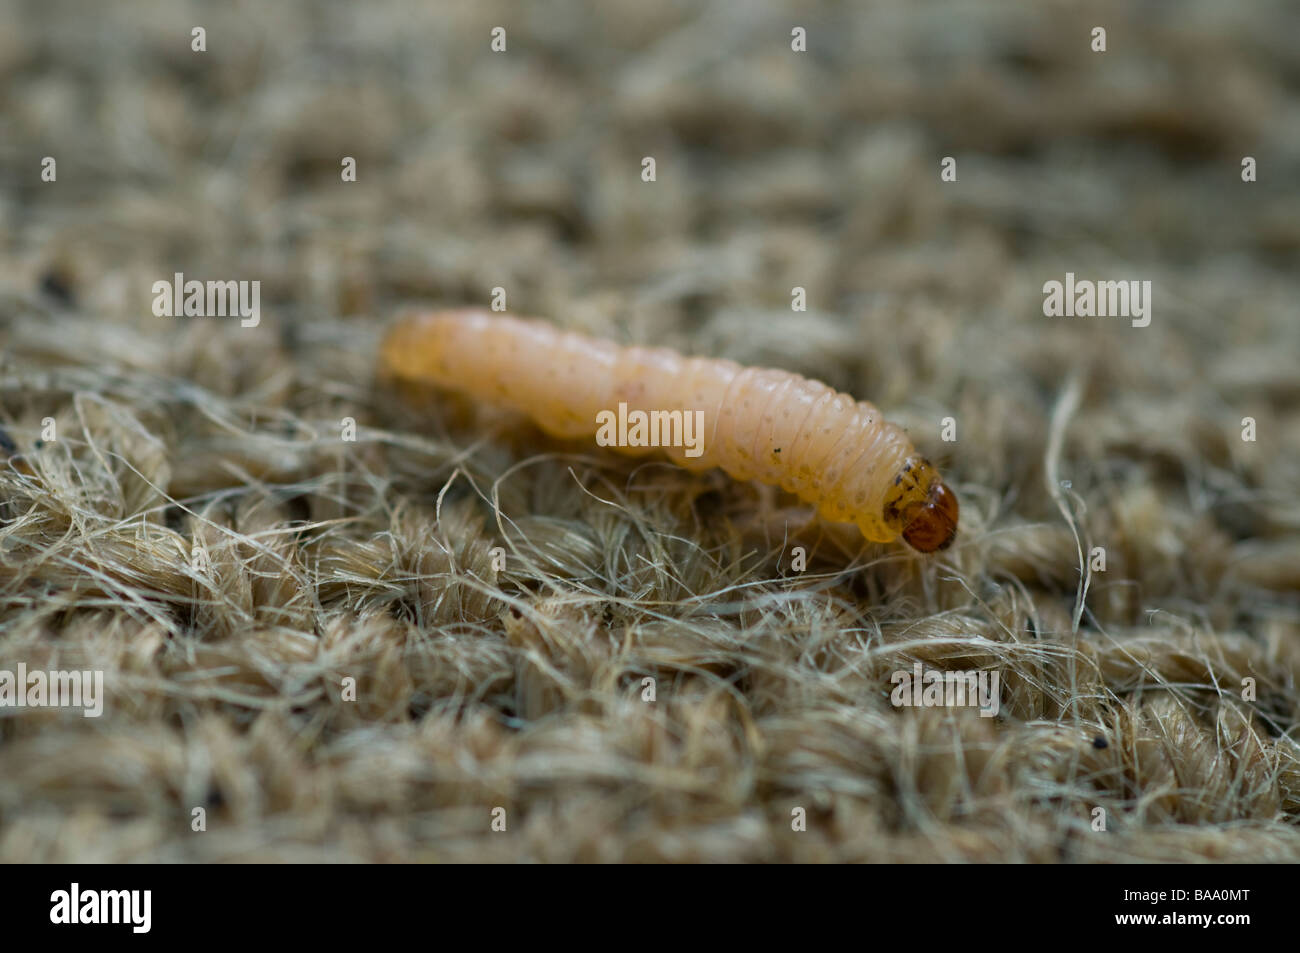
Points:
[[759, 423]]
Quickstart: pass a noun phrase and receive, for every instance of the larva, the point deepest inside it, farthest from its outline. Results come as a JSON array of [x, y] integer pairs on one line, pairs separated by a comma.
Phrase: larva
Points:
[[769, 425]]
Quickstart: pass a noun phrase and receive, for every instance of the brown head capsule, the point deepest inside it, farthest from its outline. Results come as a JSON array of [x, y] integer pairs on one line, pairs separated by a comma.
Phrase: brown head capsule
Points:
[[920, 507], [932, 525]]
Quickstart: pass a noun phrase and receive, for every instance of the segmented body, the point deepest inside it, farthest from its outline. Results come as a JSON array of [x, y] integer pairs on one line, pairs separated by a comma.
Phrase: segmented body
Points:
[[759, 423]]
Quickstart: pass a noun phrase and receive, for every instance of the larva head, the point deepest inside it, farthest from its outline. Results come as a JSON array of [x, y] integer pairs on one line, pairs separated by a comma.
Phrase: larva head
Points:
[[920, 507]]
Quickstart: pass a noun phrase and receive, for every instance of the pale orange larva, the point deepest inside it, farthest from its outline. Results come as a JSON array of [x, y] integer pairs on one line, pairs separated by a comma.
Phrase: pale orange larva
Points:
[[763, 424]]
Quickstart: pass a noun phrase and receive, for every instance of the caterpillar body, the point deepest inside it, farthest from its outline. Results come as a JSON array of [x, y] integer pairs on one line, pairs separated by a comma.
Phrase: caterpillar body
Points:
[[770, 425]]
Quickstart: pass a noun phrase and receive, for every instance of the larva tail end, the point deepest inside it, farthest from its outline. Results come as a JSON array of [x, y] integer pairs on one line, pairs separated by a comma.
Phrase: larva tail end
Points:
[[404, 347], [933, 525]]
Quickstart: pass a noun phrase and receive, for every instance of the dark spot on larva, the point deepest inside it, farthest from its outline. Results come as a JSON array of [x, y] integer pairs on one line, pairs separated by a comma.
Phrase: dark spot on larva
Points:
[[1100, 742], [777, 450], [898, 479]]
